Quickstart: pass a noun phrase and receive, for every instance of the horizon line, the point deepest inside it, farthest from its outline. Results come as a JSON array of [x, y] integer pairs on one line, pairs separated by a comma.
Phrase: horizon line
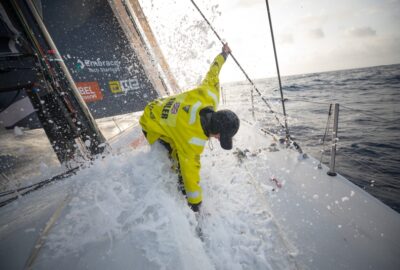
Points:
[[308, 73]]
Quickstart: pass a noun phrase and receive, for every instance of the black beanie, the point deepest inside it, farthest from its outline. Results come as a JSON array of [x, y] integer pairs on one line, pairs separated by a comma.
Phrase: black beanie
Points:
[[226, 123]]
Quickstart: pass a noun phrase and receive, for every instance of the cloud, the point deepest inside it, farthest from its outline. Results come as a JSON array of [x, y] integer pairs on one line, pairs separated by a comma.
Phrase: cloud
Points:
[[313, 19], [361, 32], [316, 33]]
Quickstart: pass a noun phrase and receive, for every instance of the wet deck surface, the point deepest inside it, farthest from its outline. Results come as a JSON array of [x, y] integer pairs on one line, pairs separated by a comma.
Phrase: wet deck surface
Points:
[[26, 156]]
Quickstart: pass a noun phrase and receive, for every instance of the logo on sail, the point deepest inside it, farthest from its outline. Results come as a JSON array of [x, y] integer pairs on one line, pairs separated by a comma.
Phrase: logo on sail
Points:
[[124, 86], [98, 65], [90, 91]]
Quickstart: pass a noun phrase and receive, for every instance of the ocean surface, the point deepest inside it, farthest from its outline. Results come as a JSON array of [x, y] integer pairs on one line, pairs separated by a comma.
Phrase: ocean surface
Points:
[[368, 148]]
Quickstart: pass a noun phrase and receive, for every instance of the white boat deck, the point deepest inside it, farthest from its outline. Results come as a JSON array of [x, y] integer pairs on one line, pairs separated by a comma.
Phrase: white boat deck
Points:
[[124, 212]]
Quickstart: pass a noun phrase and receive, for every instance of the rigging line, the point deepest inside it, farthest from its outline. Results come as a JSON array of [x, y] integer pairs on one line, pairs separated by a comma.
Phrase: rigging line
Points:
[[252, 104], [237, 63], [289, 140], [36, 48], [362, 163], [36, 186], [349, 109], [326, 132], [307, 101], [376, 171], [277, 70], [263, 130], [346, 107], [368, 114]]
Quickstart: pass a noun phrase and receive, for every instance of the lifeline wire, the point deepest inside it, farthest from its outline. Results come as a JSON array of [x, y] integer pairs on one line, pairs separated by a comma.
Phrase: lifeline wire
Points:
[[372, 115]]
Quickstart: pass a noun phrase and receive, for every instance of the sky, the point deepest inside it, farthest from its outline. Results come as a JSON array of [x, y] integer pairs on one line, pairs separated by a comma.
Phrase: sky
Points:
[[310, 35]]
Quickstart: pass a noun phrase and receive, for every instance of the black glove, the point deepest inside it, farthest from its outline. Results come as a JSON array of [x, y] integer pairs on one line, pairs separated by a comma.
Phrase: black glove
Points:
[[195, 207], [226, 51]]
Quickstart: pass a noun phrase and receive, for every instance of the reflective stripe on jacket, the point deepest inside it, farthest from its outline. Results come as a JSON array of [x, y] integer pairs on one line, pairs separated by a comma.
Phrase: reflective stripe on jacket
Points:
[[176, 120]]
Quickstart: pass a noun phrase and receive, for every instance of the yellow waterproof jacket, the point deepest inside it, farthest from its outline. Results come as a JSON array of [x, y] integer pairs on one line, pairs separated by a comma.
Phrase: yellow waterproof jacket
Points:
[[176, 120]]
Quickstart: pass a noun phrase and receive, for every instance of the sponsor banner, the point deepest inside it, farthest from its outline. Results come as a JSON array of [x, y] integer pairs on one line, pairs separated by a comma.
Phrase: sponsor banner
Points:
[[124, 86], [115, 87], [97, 51], [96, 66], [90, 91]]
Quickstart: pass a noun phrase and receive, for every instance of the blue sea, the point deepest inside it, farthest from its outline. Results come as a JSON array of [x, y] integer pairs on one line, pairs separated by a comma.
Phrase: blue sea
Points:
[[368, 149]]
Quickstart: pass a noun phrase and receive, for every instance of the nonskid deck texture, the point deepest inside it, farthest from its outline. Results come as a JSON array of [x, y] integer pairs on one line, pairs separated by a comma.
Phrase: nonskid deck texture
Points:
[[124, 212]]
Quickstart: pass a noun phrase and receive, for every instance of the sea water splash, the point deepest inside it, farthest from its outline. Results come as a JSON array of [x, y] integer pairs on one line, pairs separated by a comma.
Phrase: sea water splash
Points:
[[186, 39], [119, 201], [126, 209]]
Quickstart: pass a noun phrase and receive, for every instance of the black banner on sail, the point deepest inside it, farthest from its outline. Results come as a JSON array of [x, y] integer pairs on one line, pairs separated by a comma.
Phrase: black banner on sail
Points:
[[95, 49]]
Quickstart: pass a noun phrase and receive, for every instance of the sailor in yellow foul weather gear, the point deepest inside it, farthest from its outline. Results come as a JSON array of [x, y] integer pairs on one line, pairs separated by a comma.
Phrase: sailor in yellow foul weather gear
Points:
[[184, 122]]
